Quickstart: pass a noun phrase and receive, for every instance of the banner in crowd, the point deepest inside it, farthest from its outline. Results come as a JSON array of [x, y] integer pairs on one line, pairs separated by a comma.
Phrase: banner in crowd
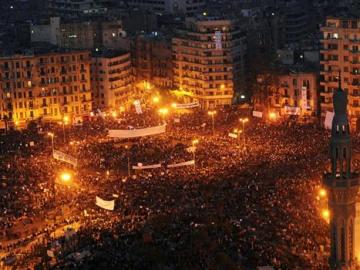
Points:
[[125, 133], [304, 105], [218, 40], [191, 149], [187, 105], [233, 135], [64, 157], [257, 114], [328, 120], [185, 163], [101, 114], [138, 106], [140, 166], [108, 205], [291, 110]]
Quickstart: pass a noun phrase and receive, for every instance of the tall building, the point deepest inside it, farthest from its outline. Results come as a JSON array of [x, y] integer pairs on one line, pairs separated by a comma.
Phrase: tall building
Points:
[[289, 94], [75, 8], [186, 7], [47, 85], [343, 187], [340, 53], [112, 79], [152, 58], [209, 60], [81, 34]]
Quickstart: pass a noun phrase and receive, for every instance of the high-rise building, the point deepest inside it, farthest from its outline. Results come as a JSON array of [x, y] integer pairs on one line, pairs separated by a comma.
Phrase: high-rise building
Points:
[[340, 53], [48, 85], [75, 8], [186, 7], [209, 60], [112, 79], [152, 58], [343, 189]]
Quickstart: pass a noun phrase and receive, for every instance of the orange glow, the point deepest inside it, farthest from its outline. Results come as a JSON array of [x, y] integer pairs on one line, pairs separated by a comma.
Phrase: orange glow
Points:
[[173, 105], [212, 113], [50, 134], [195, 141], [244, 120], [156, 99], [65, 177], [322, 193], [164, 111], [272, 116], [114, 114], [325, 213]]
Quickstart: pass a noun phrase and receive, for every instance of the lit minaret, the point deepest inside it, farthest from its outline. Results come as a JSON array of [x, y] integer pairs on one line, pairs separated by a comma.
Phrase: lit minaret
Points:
[[342, 185]]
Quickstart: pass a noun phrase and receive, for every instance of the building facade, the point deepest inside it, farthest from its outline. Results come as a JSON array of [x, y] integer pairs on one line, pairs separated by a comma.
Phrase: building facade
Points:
[[152, 58], [186, 7], [209, 60], [75, 8], [340, 54], [81, 34], [47, 86], [112, 79]]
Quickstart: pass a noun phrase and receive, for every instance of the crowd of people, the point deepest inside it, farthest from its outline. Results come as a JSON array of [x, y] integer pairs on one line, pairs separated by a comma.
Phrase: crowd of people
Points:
[[247, 202]]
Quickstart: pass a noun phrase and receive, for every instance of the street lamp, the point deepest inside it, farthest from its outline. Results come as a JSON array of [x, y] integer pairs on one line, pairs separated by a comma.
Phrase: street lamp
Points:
[[163, 112], [272, 116], [243, 121], [156, 99], [194, 143], [128, 159], [212, 114], [51, 135]]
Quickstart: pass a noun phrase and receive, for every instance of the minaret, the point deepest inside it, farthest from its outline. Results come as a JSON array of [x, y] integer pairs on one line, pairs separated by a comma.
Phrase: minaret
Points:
[[342, 185]]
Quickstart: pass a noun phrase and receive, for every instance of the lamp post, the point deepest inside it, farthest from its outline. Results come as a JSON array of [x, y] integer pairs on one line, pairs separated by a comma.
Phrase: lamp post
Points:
[[65, 122], [128, 160], [194, 143], [212, 114], [243, 121], [51, 135], [163, 112]]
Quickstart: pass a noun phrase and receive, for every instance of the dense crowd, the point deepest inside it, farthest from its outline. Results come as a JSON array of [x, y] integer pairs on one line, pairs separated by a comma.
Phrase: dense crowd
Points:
[[245, 204]]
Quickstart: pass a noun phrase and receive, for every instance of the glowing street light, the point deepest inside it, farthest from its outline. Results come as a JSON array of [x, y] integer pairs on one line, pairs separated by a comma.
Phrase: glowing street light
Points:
[[322, 193], [114, 114], [173, 105], [156, 99], [51, 135], [272, 116], [194, 143], [243, 121], [212, 114], [325, 213], [65, 177], [163, 112]]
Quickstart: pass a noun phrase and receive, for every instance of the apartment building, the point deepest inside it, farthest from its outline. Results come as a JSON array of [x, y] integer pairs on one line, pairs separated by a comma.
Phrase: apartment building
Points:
[[186, 7], [47, 85], [152, 58], [112, 79], [340, 54], [209, 60]]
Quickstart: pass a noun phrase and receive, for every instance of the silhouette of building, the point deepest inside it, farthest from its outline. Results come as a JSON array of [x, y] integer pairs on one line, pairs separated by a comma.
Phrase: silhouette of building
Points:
[[343, 186]]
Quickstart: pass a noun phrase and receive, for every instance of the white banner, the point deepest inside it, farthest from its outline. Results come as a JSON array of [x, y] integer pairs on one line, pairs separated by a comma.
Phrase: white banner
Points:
[[304, 105], [257, 114], [108, 205], [233, 135], [145, 167], [124, 133], [292, 110], [218, 37], [138, 106], [101, 114], [64, 157], [187, 105], [185, 163], [328, 120]]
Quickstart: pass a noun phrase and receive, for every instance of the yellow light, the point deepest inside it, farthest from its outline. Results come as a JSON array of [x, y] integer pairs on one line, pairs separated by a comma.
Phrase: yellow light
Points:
[[322, 193], [114, 114], [65, 177], [16, 123], [272, 116], [122, 109], [66, 119], [196, 141], [50, 134], [92, 114], [173, 105], [236, 130], [211, 113], [222, 87], [325, 214], [71, 143], [156, 99], [163, 111], [244, 120], [107, 173]]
